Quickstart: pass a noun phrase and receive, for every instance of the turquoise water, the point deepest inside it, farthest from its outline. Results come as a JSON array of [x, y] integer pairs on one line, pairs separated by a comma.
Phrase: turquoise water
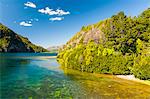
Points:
[[38, 76], [27, 75]]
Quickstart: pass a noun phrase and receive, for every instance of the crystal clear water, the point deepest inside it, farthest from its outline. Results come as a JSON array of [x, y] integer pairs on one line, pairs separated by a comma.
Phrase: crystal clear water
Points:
[[38, 76], [27, 75]]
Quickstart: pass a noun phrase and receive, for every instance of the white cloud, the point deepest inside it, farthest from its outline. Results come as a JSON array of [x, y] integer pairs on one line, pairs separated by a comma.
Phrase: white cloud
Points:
[[49, 11], [25, 7], [56, 19], [61, 12], [30, 4], [29, 22], [36, 19], [23, 23]]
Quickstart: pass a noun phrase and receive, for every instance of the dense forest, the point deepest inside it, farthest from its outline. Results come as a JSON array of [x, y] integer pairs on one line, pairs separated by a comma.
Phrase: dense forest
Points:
[[117, 45], [12, 42]]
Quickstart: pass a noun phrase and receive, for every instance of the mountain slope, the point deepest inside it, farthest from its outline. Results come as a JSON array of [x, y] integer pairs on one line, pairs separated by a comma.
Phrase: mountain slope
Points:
[[12, 42], [118, 45], [119, 32]]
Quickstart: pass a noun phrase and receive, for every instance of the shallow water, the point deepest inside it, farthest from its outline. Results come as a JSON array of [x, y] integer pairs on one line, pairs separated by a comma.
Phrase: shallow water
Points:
[[38, 76]]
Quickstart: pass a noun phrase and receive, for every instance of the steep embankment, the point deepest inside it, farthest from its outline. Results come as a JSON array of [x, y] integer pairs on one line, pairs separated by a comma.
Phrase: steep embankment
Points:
[[118, 45], [12, 42]]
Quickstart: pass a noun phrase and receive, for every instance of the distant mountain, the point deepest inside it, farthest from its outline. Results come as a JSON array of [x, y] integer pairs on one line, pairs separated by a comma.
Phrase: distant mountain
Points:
[[54, 48], [13, 42]]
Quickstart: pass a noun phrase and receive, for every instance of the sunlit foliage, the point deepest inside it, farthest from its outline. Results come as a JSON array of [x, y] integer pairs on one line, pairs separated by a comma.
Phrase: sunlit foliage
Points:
[[123, 47]]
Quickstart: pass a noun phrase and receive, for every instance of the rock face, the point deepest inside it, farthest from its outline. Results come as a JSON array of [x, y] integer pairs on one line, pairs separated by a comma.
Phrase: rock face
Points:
[[91, 32], [12, 42]]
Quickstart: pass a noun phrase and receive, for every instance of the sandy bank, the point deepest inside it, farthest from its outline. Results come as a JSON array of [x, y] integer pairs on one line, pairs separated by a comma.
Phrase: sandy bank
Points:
[[132, 77]]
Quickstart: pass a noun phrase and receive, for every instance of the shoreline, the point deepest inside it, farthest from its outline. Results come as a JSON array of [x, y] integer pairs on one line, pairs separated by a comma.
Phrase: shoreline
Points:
[[132, 78], [121, 77]]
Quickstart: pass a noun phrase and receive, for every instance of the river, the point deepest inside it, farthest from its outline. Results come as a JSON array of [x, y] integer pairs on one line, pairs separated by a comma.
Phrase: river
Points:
[[39, 76]]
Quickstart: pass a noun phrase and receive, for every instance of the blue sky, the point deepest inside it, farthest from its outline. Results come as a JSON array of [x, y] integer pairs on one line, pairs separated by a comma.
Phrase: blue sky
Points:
[[54, 22]]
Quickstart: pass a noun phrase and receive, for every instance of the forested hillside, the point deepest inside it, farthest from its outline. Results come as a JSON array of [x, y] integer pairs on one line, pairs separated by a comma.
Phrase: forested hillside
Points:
[[12, 42], [118, 45]]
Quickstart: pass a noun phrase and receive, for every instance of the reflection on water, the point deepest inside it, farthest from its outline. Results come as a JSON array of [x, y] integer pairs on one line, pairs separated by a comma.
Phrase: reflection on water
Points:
[[27, 75]]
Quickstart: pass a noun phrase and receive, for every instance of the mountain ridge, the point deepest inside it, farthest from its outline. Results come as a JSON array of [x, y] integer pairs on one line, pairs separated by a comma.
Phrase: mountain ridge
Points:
[[13, 42]]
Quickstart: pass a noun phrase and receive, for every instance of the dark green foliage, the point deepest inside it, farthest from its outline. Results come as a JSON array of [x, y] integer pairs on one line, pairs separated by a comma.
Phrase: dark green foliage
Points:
[[123, 47], [12, 42]]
